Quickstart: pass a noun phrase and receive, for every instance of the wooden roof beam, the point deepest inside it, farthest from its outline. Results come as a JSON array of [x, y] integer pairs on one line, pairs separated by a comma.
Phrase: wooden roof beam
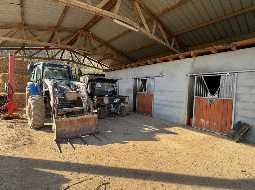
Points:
[[168, 33], [218, 19], [37, 43], [172, 6], [104, 13], [60, 21], [198, 52], [119, 52], [105, 5], [215, 20], [22, 12]]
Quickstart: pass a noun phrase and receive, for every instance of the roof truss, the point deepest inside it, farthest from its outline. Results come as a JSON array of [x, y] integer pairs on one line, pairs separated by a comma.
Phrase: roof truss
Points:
[[56, 54], [118, 18], [26, 37]]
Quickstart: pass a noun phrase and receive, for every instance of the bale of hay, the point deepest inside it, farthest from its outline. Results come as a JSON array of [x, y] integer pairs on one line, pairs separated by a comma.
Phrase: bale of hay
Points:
[[20, 82], [20, 66], [20, 99]]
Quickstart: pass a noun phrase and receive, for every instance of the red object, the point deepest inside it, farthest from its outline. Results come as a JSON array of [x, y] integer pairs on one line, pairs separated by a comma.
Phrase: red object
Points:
[[144, 103], [189, 121], [216, 116], [11, 73], [11, 106]]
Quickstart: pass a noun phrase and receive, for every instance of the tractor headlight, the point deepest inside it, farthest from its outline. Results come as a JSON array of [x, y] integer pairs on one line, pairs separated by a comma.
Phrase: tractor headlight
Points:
[[106, 100]]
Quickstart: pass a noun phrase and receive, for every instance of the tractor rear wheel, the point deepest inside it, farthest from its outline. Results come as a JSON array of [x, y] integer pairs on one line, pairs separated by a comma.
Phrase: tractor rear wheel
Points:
[[35, 112]]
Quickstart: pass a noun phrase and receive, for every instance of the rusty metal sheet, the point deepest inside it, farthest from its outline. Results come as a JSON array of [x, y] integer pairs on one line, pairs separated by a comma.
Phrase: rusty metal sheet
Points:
[[213, 114]]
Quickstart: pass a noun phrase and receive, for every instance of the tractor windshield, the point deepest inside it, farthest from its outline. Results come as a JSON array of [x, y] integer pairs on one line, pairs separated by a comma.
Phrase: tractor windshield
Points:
[[58, 73]]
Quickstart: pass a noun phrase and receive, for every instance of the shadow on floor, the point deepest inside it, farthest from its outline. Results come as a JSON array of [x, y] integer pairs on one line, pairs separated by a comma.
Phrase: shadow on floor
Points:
[[24, 173], [133, 127]]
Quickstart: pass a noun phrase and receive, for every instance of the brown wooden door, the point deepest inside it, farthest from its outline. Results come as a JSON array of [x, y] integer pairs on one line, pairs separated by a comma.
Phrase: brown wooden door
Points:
[[213, 114], [144, 103]]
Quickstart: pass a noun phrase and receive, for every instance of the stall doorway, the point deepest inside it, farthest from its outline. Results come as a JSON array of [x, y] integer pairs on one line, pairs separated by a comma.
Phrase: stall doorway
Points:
[[213, 102], [143, 95]]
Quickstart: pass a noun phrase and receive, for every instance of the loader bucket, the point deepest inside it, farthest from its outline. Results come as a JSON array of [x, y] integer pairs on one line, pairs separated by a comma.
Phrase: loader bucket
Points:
[[73, 127]]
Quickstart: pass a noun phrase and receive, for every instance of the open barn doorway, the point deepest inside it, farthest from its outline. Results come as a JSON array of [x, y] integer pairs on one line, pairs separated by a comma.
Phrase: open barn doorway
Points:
[[212, 107], [143, 95]]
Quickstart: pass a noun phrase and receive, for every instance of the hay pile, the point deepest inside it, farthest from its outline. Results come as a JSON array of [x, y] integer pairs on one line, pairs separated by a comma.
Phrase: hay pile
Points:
[[21, 79], [20, 67], [20, 82], [20, 99]]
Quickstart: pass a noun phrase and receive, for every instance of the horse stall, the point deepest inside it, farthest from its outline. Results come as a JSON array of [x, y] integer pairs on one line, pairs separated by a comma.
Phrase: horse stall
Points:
[[214, 102], [143, 94]]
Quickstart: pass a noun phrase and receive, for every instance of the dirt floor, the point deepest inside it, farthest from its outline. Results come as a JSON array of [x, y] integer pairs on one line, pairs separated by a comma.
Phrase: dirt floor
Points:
[[134, 152]]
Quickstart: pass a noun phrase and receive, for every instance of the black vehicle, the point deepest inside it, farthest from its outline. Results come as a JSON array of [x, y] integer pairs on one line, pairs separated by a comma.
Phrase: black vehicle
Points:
[[105, 96]]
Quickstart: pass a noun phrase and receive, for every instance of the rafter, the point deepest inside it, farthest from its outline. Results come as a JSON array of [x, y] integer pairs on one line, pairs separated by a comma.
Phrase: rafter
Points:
[[201, 25], [156, 24], [63, 55], [166, 33], [37, 27], [104, 13], [60, 21], [106, 5], [173, 5], [101, 41], [32, 39], [217, 19], [22, 12], [72, 38], [194, 53], [34, 42]]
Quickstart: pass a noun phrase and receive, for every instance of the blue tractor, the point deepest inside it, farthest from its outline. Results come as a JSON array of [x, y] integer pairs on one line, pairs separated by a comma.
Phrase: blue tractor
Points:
[[53, 96]]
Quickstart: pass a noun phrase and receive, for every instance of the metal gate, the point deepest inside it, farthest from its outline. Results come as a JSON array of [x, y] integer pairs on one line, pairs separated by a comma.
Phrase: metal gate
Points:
[[214, 97]]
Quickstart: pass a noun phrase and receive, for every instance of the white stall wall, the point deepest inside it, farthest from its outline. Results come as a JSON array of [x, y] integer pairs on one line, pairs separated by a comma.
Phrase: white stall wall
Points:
[[245, 104], [171, 89], [171, 85]]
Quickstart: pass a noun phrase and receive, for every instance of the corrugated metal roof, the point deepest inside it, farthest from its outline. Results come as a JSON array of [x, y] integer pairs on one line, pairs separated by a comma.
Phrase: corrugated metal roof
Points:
[[131, 41], [46, 14], [75, 18], [10, 11], [176, 18], [102, 29]]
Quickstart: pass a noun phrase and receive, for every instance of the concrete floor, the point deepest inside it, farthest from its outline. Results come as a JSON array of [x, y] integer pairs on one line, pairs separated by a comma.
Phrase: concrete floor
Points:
[[134, 152]]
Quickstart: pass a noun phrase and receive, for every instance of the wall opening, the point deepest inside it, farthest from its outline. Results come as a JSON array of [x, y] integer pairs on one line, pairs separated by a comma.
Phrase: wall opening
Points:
[[143, 95], [212, 83]]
